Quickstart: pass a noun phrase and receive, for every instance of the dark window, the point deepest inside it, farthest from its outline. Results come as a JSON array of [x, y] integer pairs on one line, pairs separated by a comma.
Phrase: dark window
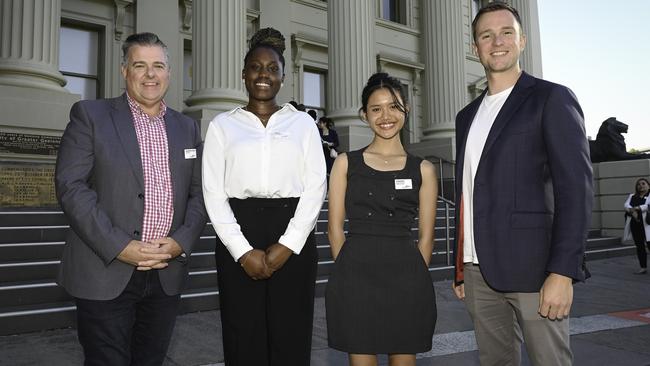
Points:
[[79, 60]]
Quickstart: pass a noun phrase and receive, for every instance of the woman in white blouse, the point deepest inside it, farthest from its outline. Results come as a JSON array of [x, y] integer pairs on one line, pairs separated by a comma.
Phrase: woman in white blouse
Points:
[[264, 184]]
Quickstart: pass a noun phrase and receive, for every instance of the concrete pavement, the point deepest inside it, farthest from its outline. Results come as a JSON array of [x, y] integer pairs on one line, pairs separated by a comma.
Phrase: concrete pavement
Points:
[[610, 325]]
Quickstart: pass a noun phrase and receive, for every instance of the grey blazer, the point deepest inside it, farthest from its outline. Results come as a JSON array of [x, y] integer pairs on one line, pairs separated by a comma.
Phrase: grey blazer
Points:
[[100, 186]]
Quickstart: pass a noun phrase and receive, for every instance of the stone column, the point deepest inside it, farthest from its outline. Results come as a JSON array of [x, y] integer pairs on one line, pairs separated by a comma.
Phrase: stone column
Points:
[[29, 44], [162, 17], [218, 49], [351, 58], [531, 59], [33, 100], [445, 90]]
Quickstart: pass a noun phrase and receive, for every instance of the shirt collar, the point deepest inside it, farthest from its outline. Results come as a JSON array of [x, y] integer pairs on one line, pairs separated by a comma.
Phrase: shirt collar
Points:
[[135, 107]]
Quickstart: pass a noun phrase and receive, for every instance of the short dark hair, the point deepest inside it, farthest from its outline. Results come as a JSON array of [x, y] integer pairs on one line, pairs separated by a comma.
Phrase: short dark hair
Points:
[[142, 39], [327, 121], [382, 80], [267, 38], [313, 114], [636, 190], [495, 6]]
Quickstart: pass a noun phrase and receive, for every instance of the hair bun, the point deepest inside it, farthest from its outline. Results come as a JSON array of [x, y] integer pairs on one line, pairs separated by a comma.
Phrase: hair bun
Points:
[[269, 37], [378, 78]]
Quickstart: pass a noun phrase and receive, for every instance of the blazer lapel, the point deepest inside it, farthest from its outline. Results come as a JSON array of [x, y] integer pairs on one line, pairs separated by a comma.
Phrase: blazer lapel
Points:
[[464, 124], [518, 95], [175, 148], [123, 121]]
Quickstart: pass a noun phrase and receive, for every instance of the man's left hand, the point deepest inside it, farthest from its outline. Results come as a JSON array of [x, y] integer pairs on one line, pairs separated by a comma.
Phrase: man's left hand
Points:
[[276, 256], [168, 245], [556, 297]]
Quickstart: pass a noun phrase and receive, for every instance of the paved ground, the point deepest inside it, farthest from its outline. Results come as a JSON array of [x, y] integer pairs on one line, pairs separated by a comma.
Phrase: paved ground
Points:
[[610, 326]]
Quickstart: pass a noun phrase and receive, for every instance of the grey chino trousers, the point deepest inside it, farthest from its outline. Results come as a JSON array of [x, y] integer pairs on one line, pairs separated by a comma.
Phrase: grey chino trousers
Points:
[[503, 320]]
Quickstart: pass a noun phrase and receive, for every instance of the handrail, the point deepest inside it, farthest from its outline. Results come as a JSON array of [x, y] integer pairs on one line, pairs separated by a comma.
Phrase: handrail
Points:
[[448, 204]]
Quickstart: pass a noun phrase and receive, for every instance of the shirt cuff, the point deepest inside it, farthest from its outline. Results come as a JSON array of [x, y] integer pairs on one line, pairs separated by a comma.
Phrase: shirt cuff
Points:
[[293, 241], [238, 249]]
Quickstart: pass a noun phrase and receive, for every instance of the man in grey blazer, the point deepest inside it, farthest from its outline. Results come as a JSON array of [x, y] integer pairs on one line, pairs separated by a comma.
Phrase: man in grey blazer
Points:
[[128, 179]]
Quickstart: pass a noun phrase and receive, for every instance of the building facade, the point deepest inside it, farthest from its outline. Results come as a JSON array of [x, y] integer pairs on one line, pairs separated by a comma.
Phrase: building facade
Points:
[[55, 52]]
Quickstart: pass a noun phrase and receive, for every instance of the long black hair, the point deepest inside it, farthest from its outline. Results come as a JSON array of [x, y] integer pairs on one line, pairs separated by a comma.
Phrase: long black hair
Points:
[[382, 80]]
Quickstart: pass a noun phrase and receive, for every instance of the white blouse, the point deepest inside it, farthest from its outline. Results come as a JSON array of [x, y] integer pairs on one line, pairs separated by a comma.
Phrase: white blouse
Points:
[[244, 159]]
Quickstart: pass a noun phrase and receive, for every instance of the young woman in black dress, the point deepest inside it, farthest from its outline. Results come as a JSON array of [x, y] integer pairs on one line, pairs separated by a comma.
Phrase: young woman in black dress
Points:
[[380, 297]]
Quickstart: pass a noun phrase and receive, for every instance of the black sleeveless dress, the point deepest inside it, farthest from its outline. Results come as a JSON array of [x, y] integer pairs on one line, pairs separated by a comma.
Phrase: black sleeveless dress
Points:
[[380, 296]]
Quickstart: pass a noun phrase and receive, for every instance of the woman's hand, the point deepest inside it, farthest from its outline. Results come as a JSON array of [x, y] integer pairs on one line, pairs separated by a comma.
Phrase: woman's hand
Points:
[[276, 256], [254, 264]]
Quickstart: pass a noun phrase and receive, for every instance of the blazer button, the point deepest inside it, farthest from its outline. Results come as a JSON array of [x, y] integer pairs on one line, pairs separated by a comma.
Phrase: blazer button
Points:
[[136, 232], [140, 196]]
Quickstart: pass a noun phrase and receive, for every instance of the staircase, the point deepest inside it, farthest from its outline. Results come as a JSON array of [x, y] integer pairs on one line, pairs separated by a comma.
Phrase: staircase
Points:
[[31, 244]]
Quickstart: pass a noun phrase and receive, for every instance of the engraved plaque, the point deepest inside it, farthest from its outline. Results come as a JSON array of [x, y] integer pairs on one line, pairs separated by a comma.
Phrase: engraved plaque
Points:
[[27, 185], [21, 143]]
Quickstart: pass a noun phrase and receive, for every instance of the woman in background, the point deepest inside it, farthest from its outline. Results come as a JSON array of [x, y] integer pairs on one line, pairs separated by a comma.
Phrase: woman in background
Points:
[[636, 209], [330, 140]]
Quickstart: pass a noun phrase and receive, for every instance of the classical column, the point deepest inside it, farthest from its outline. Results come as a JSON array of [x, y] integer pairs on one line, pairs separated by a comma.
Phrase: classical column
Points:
[[29, 44], [219, 40], [444, 59], [531, 59], [162, 17], [32, 97], [351, 58]]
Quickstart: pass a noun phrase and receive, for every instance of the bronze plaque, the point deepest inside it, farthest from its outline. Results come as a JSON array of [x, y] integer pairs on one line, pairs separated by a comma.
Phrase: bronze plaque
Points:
[[21, 143], [27, 185]]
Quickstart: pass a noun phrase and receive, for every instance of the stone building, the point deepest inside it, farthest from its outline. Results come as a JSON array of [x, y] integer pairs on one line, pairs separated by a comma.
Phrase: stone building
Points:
[[54, 52]]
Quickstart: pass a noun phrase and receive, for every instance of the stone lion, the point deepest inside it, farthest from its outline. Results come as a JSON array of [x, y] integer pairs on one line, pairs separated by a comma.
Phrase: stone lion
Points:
[[609, 144]]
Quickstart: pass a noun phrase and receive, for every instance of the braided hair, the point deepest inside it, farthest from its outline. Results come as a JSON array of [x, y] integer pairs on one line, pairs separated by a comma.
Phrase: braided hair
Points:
[[267, 38]]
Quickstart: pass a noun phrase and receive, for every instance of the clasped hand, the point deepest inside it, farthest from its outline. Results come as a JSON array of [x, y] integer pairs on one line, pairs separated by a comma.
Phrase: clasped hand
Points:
[[146, 256], [260, 265]]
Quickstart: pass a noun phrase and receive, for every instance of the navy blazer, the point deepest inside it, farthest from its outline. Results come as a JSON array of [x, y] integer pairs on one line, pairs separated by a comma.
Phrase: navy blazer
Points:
[[100, 186], [533, 191]]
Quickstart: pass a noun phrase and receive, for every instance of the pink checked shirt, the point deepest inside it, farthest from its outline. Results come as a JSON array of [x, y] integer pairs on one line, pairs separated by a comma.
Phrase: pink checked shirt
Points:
[[154, 153]]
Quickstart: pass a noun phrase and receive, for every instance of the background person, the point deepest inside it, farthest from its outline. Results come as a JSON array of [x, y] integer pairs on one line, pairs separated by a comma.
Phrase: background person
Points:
[[636, 226], [128, 177], [330, 141], [264, 185], [380, 296]]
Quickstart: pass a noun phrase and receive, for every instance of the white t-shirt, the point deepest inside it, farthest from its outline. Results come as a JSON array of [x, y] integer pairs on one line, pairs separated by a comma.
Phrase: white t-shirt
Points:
[[244, 159], [476, 137]]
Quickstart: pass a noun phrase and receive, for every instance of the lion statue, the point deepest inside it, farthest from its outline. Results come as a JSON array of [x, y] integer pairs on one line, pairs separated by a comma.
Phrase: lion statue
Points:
[[609, 144]]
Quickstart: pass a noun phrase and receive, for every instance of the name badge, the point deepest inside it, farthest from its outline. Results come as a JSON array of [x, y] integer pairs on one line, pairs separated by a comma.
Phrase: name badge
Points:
[[190, 153], [403, 184]]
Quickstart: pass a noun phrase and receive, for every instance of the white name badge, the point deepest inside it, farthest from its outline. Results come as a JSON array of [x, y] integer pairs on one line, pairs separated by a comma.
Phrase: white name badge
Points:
[[190, 153], [403, 184]]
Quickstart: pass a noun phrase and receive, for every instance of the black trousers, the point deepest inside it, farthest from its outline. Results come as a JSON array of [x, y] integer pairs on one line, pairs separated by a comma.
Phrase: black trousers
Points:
[[267, 322], [132, 329], [638, 234]]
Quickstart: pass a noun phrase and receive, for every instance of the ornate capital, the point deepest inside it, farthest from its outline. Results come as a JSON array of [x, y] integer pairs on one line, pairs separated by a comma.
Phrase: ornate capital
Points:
[[186, 11], [120, 12]]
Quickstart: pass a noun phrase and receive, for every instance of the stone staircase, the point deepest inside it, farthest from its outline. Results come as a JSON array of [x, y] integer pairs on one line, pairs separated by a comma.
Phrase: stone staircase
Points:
[[31, 244]]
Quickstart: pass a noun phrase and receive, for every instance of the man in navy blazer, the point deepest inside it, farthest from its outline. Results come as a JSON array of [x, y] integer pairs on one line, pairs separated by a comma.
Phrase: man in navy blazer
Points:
[[128, 180], [524, 198]]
